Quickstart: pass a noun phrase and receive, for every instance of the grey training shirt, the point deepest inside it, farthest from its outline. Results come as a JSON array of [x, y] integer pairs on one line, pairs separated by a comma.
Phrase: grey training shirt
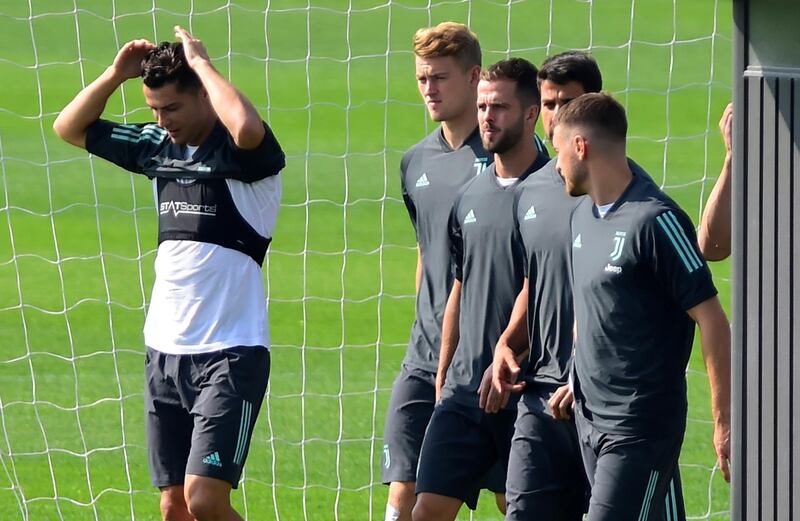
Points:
[[636, 272], [489, 261], [543, 210], [432, 173]]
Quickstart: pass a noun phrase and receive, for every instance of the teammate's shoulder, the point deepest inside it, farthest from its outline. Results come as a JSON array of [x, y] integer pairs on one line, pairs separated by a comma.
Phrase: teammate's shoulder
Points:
[[545, 178], [655, 206], [137, 132], [475, 143], [480, 181], [641, 202], [428, 142]]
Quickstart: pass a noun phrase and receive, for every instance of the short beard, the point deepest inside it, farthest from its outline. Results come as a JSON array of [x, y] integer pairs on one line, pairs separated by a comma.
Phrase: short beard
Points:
[[578, 186], [511, 136]]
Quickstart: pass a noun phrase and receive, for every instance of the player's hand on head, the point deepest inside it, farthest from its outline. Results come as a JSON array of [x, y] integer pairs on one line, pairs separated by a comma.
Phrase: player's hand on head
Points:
[[128, 62], [560, 403], [726, 126], [193, 49], [722, 446]]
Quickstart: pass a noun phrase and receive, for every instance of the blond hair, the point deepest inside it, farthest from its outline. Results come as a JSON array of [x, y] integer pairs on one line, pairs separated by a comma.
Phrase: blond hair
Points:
[[448, 39]]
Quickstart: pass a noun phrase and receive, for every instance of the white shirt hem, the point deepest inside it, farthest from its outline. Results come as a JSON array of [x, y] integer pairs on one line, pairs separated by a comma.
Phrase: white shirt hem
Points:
[[175, 349]]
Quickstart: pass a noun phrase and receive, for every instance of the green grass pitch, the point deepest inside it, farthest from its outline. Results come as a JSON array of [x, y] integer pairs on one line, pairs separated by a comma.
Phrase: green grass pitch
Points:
[[77, 236]]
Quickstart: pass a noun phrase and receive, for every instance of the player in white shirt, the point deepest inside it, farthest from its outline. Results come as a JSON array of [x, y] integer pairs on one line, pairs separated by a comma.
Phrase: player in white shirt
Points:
[[214, 166]]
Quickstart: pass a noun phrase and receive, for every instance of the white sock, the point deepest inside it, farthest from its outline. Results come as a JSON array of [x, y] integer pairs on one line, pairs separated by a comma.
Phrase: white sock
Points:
[[392, 514]]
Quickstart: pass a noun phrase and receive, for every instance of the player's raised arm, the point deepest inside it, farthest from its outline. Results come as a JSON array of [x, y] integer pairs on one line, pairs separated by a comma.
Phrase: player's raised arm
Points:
[[714, 236], [715, 336], [88, 105], [233, 109]]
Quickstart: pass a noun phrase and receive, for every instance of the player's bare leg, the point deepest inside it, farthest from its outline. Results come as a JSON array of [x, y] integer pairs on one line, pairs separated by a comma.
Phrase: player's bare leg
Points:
[[500, 500], [433, 507], [173, 505], [209, 499], [401, 498]]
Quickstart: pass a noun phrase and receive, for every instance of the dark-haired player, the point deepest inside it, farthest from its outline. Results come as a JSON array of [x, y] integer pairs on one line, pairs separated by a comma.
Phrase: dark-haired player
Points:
[[214, 165], [545, 473], [546, 479]]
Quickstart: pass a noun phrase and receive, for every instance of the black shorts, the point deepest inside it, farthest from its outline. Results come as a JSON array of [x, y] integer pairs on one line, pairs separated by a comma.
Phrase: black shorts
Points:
[[461, 447], [546, 480], [200, 411], [410, 409], [631, 477]]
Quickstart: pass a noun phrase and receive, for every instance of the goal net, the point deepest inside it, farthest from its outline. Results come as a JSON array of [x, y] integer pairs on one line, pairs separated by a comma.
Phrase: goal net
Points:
[[334, 78]]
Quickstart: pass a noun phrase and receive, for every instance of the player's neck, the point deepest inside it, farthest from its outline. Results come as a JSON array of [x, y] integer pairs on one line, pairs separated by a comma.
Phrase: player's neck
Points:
[[201, 137], [457, 130], [610, 178], [515, 161]]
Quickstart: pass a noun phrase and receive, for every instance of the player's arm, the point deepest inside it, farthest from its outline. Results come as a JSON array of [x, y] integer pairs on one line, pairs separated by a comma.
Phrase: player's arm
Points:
[[419, 268], [74, 120], [511, 347], [451, 332], [411, 208], [450, 335], [715, 225], [234, 110], [715, 336], [685, 277], [562, 399]]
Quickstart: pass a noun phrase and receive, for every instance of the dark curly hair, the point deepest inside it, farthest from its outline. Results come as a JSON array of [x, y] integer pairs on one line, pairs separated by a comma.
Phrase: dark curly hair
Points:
[[522, 73], [572, 66], [167, 64]]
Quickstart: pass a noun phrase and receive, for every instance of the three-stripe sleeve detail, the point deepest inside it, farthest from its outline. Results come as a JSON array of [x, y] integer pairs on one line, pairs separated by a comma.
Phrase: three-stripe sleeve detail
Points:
[[133, 134], [680, 241]]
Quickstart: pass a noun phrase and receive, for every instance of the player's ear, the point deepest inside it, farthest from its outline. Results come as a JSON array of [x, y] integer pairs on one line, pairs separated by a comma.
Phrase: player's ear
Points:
[[581, 146], [475, 74], [532, 113]]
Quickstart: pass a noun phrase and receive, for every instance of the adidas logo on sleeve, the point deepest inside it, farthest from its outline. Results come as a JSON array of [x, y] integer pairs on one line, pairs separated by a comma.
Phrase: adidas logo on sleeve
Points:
[[423, 180], [530, 214]]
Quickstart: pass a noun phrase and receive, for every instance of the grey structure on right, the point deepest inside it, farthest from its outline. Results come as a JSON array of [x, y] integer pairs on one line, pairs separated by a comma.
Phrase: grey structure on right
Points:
[[766, 261]]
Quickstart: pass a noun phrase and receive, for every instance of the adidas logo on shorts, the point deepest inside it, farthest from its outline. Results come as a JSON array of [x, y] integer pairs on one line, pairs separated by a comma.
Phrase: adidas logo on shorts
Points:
[[213, 459]]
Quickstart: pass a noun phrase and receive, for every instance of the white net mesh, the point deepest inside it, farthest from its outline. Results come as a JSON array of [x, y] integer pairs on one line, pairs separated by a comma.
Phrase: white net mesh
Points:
[[334, 79]]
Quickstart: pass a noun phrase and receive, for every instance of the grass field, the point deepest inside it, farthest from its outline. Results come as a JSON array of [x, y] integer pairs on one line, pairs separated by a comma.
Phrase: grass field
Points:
[[77, 236]]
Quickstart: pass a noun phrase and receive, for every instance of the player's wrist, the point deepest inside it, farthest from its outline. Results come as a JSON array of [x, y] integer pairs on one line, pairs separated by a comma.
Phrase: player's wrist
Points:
[[114, 75], [201, 65], [722, 419]]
